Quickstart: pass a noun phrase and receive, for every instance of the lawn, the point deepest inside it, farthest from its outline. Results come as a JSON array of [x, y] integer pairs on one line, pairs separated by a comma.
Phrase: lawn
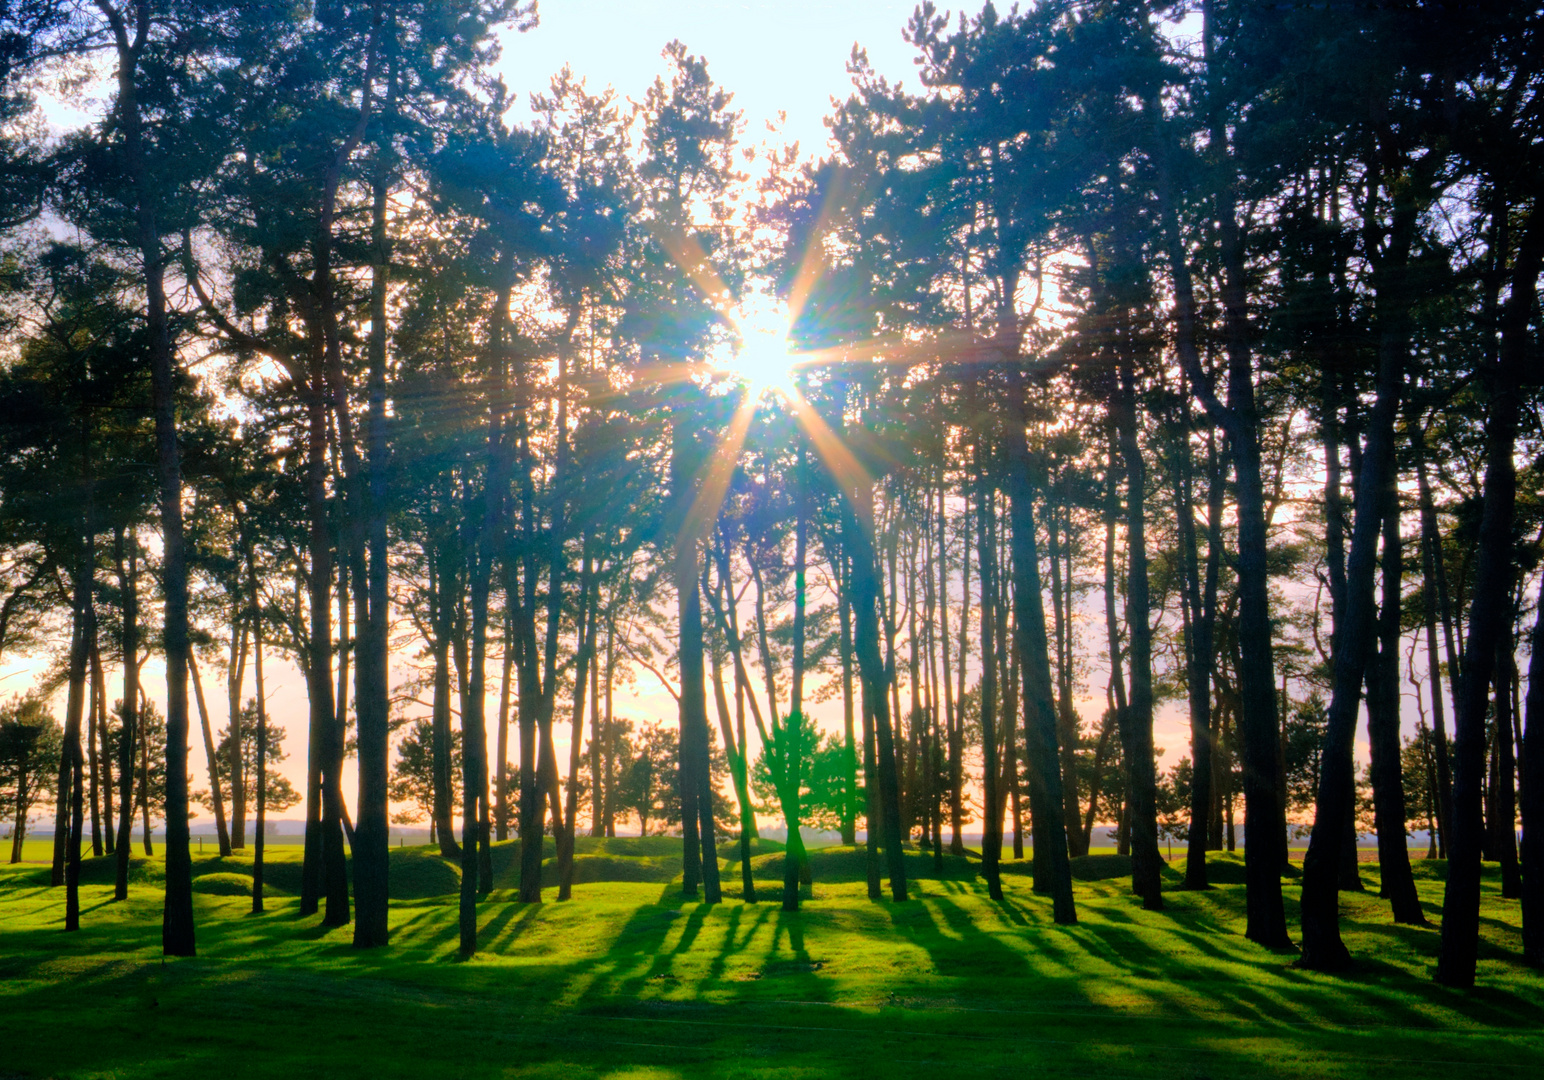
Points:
[[631, 980]]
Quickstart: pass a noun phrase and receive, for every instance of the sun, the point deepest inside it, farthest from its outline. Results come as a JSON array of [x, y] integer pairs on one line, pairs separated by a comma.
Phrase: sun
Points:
[[764, 362]]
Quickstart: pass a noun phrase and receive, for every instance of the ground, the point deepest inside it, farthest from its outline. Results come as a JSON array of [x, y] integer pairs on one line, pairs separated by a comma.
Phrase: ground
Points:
[[632, 980]]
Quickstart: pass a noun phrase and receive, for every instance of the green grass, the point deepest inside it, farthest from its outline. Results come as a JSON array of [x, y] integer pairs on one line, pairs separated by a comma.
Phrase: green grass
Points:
[[631, 981]]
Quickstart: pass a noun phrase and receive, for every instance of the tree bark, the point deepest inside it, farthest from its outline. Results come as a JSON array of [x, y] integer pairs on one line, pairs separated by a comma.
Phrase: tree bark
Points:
[[177, 935], [1430, 554], [1532, 800], [1488, 612], [222, 833], [1503, 819], [372, 833], [986, 561], [128, 734], [1388, 789], [1356, 623], [1137, 732], [262, 740], [1053, 868], [859, 540]]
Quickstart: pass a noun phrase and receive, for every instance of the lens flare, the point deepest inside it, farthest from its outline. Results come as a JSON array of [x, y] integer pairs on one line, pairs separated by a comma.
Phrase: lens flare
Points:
[[764, 362]]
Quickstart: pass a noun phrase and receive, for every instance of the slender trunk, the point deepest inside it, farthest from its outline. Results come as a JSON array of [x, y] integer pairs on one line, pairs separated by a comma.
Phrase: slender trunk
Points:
[[222, 834], [1442, 774], [109, 830], [1052, 863], [795, 861], [262, 742], [1137, 733], [957, 731], [1266, 852], [1532, 800], [93, 737], [72, 761], [177, 936], [1503, 821], [128, 732], [859, 540], [501, 764], [736, 750], [1066, 716], [1202, 604], [234, 675], [849, 745], [583, 657], [372, 832], [986, 560], [1356, 626], [144, 783], [443, 591], [1488, 613], [323, 829], [1117, 682], [1388, 788]]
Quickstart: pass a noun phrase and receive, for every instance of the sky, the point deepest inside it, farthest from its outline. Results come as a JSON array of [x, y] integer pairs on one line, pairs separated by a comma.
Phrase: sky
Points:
[[788, 56]]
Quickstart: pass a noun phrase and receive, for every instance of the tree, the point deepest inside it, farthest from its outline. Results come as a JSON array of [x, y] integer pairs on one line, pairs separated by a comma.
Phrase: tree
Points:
[[278, 793], [31, 742], [413, 775]]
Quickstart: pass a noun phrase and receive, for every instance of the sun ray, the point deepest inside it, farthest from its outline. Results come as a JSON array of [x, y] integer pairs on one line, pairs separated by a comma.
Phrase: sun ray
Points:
[[848, 472], [717, 473]]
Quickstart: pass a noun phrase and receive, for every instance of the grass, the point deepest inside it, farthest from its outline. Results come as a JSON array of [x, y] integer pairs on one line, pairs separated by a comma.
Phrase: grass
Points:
[[632, 981]]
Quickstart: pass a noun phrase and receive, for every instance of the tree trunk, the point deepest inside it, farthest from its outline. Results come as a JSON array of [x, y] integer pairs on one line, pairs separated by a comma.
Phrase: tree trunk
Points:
[[72, 761], [262, 741], [1053, 869], [986, 560], [1532, 801], [177, 936], [215, 795], [1356, 624], [1488, 613], [858, 539], [1201, 602], [372, 833], [1137, 732], [442, 594], [1503, 821], [93, 734], [583, 657], [1388, 789], [1429, 574], [128, 733], [736, 751], [849, 741], [100, 676], [501, 765], [234, 672]]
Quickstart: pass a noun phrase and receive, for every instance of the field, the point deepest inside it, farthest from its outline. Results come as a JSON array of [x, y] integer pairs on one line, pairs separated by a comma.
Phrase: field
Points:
[[631, 980]]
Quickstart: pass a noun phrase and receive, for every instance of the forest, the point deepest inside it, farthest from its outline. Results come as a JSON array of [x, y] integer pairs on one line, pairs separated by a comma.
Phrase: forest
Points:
[[1136, 358]]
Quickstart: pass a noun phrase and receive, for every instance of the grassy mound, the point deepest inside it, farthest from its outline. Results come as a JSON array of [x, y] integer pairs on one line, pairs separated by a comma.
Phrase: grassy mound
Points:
[[847, 863], [1227, 868], [760, 845], [591, 869], [418, 873], [223, 884]]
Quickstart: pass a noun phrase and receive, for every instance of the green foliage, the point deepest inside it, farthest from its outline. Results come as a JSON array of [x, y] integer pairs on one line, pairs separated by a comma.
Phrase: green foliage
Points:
[[280, 794], [30, 744], [412, 774]]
